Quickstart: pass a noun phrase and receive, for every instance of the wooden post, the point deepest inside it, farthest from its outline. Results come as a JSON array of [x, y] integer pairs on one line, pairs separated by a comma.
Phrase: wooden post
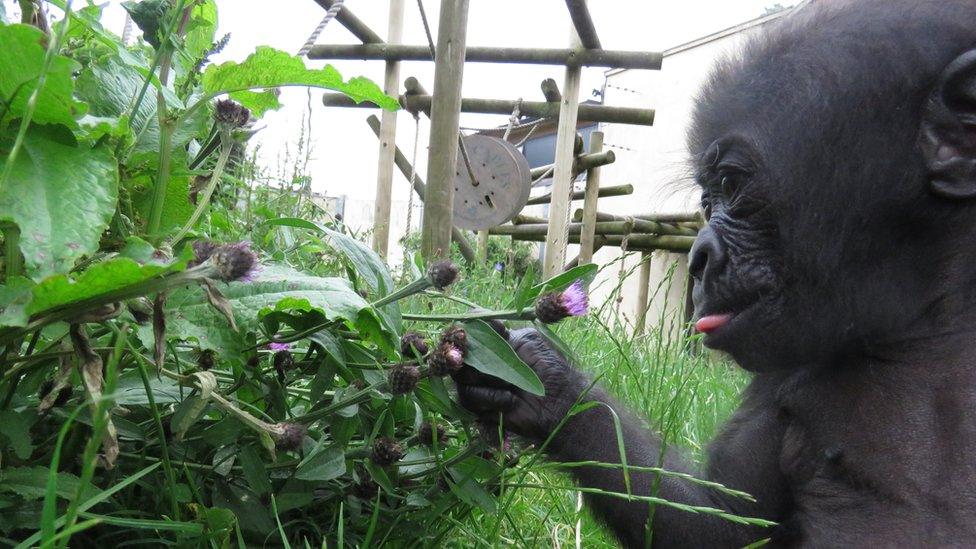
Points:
[[643, 283], [563, 175], [482, 246], [590, 202], [384, 171], [444, 121]]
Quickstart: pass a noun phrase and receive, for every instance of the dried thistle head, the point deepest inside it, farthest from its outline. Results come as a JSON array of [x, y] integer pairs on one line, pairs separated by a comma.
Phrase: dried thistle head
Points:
[[403, 378], [235, 262], [445, 360], [231, 114], [386, 451], [442, 273], [288, 436], [430, 432], [456, 335], [412, 344]]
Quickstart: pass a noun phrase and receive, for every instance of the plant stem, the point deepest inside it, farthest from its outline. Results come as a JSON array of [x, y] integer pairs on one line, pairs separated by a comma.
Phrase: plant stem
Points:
[[527, 313], [355, 398], [227, 144], [414, 287]]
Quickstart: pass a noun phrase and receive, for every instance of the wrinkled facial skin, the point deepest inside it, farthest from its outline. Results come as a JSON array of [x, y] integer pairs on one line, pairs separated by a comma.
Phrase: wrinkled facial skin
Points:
[[736, 263]]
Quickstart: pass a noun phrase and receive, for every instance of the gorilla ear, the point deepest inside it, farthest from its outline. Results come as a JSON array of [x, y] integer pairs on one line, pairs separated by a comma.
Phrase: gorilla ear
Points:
[[949, 131]]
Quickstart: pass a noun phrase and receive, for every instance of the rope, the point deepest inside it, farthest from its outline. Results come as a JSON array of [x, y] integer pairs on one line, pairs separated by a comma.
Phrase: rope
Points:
[[127, 29], [513, 120], [496, 128], [430, 37], [528, 136], [413, 173], [334, 10]]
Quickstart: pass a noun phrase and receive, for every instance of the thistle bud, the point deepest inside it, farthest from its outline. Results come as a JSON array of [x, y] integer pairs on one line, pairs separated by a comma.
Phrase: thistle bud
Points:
[[457, 336], [555, 306], [288, 436], [235, 262], [283, 361], [403, 378], [206, 359], [365, 489], [357, 384], [202, 250], [412, 345], [386, 451], [445, 360], [430, 432], [231, 114], [442, 273]]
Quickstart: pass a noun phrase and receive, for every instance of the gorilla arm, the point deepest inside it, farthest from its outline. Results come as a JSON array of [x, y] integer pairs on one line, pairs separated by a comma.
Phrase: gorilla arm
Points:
[[744, 457]]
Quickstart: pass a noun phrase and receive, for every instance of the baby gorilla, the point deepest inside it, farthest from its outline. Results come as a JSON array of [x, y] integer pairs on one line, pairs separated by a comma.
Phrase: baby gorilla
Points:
[[837, 161]]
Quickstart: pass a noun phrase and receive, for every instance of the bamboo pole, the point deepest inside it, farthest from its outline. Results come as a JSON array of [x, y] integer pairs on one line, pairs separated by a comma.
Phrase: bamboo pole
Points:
[[401, 162], [522, 219], [584, 24], [570, 57], [615, 190], [582, 163], [635, 242], [590, 197], [643, 286], [355, 25], [604, 228], [641, 225], [482, 247], [673, 218], [384, 171], [540, 109], [444, 122]]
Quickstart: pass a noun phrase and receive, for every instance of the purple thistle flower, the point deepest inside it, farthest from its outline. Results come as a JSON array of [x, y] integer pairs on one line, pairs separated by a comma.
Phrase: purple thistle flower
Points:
[[275, 346], [446, 359], [555, 306]]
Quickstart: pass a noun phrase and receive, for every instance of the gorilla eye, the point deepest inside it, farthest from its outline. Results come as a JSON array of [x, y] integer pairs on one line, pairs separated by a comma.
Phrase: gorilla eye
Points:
[[706, 205], [730, 184]]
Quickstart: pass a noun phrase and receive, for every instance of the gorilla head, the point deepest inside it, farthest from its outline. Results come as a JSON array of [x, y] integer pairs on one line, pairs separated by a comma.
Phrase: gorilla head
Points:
[[837, 161]]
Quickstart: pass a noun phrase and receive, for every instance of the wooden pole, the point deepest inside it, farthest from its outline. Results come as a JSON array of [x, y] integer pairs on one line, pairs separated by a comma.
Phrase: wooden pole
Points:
[[563, 174], [384, 171], [482, 246], [643, 285], [583, 23], [421, 189], [641, 225], [539, 109], [590, 196], [354, 24], [573, 57], [444, 121], [583, 162], [614, 190], [598, 243], [635, 242], [551, 91]]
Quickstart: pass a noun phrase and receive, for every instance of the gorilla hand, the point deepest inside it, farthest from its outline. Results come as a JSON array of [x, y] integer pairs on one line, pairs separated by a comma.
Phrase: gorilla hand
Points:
[[531, 416]]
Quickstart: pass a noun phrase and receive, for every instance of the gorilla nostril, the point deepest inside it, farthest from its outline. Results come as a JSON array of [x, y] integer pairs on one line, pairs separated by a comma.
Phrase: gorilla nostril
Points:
[[707, 254]]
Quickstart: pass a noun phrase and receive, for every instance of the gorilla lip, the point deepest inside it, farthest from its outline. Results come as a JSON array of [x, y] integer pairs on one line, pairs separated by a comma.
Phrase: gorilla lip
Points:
[[710, 323]]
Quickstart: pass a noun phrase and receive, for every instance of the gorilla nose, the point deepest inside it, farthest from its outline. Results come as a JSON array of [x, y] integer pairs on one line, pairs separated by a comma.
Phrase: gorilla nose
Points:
[[707, 254]]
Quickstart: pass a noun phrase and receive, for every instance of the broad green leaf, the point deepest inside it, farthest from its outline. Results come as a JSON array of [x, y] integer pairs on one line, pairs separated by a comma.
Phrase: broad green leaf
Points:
[[270, 68], [23, 48], [132, 392], [490, 354], [326, 464], [15, 427], [149, 16], [199, 33], [99, 284], [15, 297], [30, 483], [586, 273], [177, 207], [275, 289], [470, 491], [62, 197], [366, 263], [254, 470], [109, 86]]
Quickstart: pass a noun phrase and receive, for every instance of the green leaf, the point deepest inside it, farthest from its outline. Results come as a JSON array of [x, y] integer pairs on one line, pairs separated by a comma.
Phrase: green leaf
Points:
[[99, 283], [270, 68], [15, 297], [15, 427], [470, 491], [148, 15], [490, 354], [30, 483], [586, 273], [275, 289], [177, 208], [254, 471], [364, 261], [23, 48], [325, 464], [62, 197]]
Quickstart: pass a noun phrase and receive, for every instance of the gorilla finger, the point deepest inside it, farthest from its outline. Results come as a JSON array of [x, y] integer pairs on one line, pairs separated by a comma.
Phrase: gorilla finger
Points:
[[482, 400], [499, 327]]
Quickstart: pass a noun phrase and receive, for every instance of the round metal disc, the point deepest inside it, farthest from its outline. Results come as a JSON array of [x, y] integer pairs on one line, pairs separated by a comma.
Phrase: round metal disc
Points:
[[503, 183]]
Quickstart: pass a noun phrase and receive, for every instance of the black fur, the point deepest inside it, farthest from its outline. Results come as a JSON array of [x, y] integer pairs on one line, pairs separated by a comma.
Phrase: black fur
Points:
[[837, 159]]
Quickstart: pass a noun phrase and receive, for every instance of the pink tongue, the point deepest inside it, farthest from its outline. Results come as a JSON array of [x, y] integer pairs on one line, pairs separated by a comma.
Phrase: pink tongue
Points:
[[711, 323]]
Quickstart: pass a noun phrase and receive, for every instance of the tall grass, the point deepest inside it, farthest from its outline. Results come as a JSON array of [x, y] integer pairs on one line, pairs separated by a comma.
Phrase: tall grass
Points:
[[663, 375]]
